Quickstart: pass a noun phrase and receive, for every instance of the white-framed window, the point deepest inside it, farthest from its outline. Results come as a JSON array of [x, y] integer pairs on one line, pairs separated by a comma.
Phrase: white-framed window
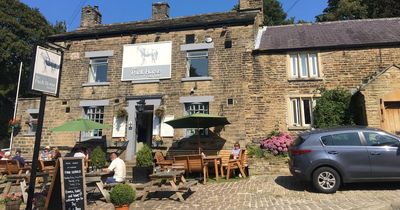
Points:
[[300, 110], [98, 68], [197, 63], [193, 108], [95, 113], [304, 65]]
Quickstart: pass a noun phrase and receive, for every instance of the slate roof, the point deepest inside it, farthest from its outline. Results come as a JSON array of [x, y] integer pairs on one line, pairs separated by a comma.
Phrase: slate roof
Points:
[[338, 34], [151, 26]]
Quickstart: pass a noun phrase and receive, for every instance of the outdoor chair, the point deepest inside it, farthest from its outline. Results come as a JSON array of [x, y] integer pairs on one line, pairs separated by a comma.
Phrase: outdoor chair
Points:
[[237, 164], [196, 164], [182, 160], [225, 156], [161, 161]]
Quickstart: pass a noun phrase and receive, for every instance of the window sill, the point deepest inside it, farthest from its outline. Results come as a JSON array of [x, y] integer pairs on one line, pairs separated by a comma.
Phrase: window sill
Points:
[[29, 134], [193, 79], [145, 81], [299, 128], [305, 79], [95, 84]]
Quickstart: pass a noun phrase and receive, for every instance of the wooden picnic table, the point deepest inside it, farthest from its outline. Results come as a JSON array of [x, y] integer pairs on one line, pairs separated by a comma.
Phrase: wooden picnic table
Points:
[[171, 180], [216, 160]]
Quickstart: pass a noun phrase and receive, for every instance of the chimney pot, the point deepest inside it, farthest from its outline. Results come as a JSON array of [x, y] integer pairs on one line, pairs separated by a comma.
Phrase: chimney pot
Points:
[[90, 16], [160, 11]]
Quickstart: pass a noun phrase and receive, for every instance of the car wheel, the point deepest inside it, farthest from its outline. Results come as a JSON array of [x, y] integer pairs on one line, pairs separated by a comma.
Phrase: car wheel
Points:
[[326, 180]]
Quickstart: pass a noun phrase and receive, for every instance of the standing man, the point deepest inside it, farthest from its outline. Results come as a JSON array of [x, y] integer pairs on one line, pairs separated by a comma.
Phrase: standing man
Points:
[[118, 166]]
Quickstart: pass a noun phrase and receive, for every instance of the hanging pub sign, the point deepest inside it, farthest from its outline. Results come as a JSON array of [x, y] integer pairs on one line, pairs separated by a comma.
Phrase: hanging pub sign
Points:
[[147, 61], [46, 71]]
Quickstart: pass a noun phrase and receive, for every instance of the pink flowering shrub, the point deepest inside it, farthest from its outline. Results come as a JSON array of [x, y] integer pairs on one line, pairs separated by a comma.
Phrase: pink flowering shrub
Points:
[[277, 144]]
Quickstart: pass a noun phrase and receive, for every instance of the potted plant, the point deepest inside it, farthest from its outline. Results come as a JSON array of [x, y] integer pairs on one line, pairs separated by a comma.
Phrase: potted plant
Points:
[[122, 113], [158, 140], [12, 201], [98, 158], [144, 165], [122, 195]]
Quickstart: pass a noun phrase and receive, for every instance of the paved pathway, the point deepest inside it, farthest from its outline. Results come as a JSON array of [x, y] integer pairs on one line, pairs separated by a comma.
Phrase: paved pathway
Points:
[[275, 192]]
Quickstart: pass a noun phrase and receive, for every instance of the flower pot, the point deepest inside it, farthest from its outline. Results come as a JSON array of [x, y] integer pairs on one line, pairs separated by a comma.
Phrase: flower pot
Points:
[[124, 207], [13, 205]]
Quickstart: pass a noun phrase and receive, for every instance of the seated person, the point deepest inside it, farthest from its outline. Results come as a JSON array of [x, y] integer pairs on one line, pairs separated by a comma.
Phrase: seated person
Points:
[[46, 154], [7, 156], [118, 166], [79, 153], [235, 151], [19, 158]]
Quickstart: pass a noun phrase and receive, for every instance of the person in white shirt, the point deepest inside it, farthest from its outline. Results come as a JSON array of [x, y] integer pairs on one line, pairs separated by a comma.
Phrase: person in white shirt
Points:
[[118, 166], [79, 154]]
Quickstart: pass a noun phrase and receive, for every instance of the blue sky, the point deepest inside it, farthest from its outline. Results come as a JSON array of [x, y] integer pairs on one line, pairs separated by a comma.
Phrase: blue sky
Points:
[[115, 11]]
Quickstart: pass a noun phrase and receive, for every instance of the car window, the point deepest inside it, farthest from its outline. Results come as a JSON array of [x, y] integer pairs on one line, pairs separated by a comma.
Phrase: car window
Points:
[[342, 139], [377, 139]]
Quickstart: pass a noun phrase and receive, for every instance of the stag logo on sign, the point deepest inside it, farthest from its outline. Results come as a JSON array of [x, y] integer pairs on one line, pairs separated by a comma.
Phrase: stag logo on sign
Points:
[[46, 71], [147, 61]]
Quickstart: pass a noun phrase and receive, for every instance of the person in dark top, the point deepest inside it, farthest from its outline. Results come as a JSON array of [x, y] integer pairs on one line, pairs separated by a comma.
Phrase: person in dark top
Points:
[[19, 158]]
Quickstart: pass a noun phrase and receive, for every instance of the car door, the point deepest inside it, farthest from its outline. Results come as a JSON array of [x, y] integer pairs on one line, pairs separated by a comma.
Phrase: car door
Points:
[[347, 150], [384, 154]]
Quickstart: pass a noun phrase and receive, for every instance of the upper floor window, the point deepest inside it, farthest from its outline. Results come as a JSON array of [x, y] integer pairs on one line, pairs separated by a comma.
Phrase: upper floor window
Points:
[[193, 108], [197, 63], [301, 109], [95, 113], [98, 70], [304, 65]]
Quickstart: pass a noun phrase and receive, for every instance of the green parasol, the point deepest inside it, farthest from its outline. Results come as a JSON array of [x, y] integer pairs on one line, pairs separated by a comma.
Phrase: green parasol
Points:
[[79, 125]]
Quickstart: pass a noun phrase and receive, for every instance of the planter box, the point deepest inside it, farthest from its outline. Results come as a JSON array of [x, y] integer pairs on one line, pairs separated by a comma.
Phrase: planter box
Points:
[[141, 174]]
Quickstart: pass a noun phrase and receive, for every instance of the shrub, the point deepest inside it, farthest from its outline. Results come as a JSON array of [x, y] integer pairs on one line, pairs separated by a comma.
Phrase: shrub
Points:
[[277, 145], [255, 151], [144, 157], [122, 194], [333, 109], [98, 157]]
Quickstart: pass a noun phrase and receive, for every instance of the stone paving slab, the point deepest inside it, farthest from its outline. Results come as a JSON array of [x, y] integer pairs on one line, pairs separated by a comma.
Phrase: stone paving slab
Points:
[[274, 192]]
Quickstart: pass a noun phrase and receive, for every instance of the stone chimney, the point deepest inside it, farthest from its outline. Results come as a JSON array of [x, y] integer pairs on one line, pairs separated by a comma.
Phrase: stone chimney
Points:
[[251, 4], [160, 11], [90, 17]]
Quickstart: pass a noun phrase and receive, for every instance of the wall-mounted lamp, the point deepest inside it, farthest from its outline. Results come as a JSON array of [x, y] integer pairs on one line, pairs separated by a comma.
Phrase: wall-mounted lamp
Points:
[[141, 105], [134, 37]]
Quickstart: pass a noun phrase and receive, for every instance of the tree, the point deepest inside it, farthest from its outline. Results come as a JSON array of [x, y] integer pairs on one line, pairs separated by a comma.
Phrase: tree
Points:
[[273, 13], [359, 9], [333, 109], [21, 28]]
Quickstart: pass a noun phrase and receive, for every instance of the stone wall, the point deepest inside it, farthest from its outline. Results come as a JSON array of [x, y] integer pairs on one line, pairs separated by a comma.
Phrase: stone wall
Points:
[[270, 89]]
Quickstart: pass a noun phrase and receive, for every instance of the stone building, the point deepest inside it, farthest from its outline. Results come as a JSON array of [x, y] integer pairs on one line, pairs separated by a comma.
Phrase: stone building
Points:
[[168, 67], [227, 64]]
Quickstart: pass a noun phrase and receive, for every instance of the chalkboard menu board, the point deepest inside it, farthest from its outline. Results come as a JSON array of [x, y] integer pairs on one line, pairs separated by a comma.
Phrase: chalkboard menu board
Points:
[[68, 185]]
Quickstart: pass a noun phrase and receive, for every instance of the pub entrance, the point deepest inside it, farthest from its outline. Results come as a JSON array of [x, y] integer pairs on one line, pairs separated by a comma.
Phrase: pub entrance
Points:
[[144, 125]]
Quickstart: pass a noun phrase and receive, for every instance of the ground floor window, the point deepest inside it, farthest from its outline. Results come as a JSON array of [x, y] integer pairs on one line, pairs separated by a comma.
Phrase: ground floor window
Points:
[[193, 108], [33, 120], [95, 113], [300, 110]]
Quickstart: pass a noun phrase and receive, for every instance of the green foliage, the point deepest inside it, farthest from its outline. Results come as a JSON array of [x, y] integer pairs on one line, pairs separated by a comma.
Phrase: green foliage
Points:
[[274, 14], [333, 109], [21, 28], [144, 157], [274, 132], [98, 157], [255, 151], [122, 194], [359, 9]]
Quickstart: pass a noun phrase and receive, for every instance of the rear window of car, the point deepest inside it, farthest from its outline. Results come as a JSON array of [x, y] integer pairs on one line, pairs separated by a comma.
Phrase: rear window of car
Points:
[[342, 139], [299, 140]]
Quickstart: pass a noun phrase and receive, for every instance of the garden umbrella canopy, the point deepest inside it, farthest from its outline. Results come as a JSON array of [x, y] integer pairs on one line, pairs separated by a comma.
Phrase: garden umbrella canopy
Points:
[[79, 125], [198, 121]]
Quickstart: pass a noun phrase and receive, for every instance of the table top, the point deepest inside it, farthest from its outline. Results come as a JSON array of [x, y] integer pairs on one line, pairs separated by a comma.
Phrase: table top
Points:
[[167, 174], [211, 157], [97, 173]]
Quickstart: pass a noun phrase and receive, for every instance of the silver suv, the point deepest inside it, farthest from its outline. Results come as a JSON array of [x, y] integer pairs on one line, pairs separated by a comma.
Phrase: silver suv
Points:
[[330, 157]]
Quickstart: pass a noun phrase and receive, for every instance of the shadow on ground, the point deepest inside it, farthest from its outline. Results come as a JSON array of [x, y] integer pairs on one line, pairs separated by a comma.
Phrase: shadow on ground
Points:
[[291, 183]]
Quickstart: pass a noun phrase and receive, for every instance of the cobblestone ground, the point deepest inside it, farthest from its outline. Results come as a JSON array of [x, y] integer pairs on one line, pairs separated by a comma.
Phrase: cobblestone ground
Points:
[[274, 192]]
